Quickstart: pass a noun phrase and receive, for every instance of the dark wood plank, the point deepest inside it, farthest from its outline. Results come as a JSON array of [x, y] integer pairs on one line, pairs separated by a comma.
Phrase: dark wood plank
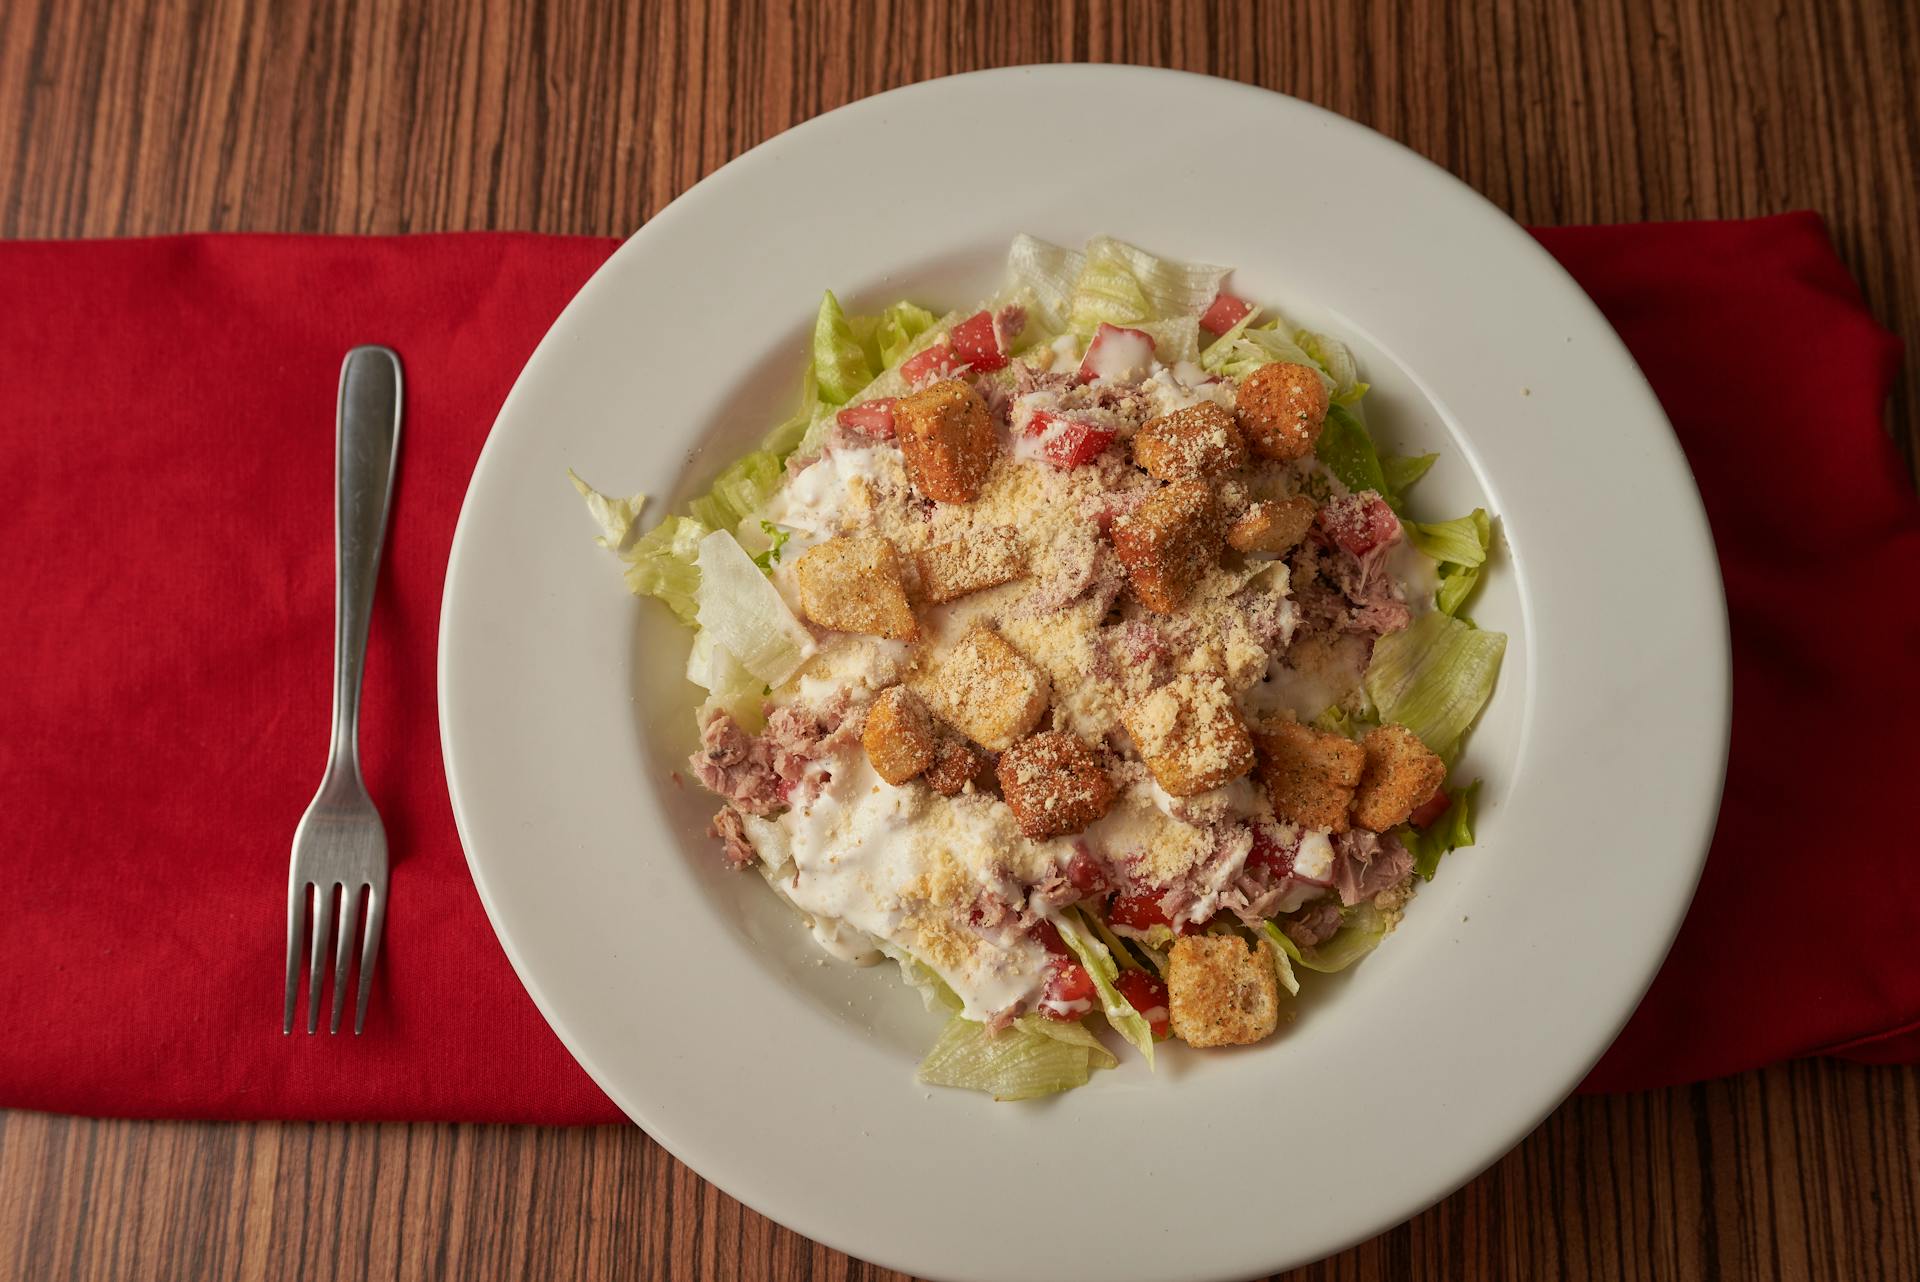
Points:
[[153, 116]]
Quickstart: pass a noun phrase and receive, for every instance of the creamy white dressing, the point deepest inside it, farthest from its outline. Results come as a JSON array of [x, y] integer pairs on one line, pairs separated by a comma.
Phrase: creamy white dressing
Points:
[[855, 851], [809, 503], [1416, 572]]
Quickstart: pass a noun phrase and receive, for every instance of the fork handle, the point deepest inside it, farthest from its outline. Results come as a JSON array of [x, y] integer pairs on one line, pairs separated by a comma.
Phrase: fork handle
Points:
[[367, 448]]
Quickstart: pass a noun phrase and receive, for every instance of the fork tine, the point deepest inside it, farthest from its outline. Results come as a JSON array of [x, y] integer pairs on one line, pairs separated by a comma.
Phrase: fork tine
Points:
[[343, 948], [322, 936], [296, 930], [370, 950]]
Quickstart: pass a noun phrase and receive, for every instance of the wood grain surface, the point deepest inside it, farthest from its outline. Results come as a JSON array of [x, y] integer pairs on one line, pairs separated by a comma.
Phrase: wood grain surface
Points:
[[142, 116]]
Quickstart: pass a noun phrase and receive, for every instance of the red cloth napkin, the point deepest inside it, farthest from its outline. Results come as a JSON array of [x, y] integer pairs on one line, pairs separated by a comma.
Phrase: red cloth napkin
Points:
[[166, 527]]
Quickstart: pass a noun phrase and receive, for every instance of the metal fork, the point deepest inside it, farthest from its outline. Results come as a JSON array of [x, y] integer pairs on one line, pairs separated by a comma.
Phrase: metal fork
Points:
[[340, 848]]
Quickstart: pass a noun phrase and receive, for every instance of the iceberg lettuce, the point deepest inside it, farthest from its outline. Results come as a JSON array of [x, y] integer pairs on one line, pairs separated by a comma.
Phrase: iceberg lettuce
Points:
[[1033, 1058], [1453, 830], [1435, 677], [617, 518], [1126, 1021], [840, 363], [746, 614]]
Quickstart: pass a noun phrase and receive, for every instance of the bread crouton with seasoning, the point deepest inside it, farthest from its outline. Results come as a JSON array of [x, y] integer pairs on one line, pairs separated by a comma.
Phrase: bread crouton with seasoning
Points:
[[1400, 773], [1191, 444], [1309, 775], [1220, 992], [981, 560], [852, 583], [985, 689], [955, 765], [1281, 408], [1272, 526], [1190, 735], [1054, 785], [898, 735], [947, 441], [1167, 542]]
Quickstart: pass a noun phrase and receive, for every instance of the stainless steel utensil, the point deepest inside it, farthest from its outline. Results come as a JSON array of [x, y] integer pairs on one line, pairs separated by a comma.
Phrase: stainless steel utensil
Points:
[[340, 847]]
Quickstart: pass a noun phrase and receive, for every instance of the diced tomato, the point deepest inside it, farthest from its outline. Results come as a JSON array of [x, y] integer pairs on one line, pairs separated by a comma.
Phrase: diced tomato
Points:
[[976, 340], [1268, 853], [1075, 443], [1084, 871], [1138, 910], [1048, 936], [869, 418], [1146, 994], [1428, 812], [1067, 983], [1116, 352], [1359, 523], [937, 361], [1223, 313]]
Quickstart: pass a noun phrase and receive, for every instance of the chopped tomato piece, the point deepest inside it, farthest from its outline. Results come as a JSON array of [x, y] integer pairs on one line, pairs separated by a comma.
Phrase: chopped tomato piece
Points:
[[1067, 984], [1116, 352], [1084, 871], [1428, 812], [869, 418], [1359, 523], [1148, 995], [1268, 853], [976, 340], [1138, 910], [1223, 313], [1048, 936], [1075, 442], [938, 361]]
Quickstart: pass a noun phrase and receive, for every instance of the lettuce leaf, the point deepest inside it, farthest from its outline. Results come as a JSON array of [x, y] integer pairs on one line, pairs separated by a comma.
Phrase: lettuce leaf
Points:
[[617, 518], [1048, 272], [1120, 1013], [1117, 284], [776, 542], [1361, 930], [1346, 450], [1462, 541], [839, 361], [785, 436], [1173, 340], [1022, 1062], [899, 325], [1172, 289], [1283, 954], [1116, 946], [738, 491], [1336, 362], [1435, 677], [661, 564], [746, 614], [1453, 830], [730, 687], [1402, 470]]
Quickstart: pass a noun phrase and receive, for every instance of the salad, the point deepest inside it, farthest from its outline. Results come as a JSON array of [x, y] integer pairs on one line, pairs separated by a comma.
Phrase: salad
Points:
[[1076, 652]]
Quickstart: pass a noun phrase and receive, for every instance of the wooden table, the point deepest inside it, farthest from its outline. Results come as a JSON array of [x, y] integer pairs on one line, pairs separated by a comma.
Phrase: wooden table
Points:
[[143, 116]]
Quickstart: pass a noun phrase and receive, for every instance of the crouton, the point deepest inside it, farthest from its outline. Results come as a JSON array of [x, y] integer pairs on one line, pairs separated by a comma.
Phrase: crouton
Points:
[[1272, 526], [852, 584], [986, 689], [946, 439], [1310, 776], [972, 564], [1053, 785], [1281, 408], [955, 765], [898, 735], [1220, 993], [1190, 735], [1400, 774], [1168, 542], [1190, 444]]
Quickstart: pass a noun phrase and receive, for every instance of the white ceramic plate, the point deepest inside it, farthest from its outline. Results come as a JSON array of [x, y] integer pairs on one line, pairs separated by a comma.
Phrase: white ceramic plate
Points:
[[699, 1004]]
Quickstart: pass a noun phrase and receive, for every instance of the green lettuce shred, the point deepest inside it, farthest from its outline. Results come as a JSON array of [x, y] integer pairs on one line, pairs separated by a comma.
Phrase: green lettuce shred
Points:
[[1460, 547], [1283, 953], [661, 564], [1346, 450], [839, 361], [898, 326], [1361, 930], [1035, 1057], [1402, 470], [1126, 1021], [618, 519], [1434, 678], [1453, 830]]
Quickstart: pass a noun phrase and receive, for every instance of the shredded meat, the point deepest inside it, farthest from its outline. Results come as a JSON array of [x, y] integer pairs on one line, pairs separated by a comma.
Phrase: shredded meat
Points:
[[738, 767], [731, 829], [1335, 591], [1314, 924], [1366, 863]]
